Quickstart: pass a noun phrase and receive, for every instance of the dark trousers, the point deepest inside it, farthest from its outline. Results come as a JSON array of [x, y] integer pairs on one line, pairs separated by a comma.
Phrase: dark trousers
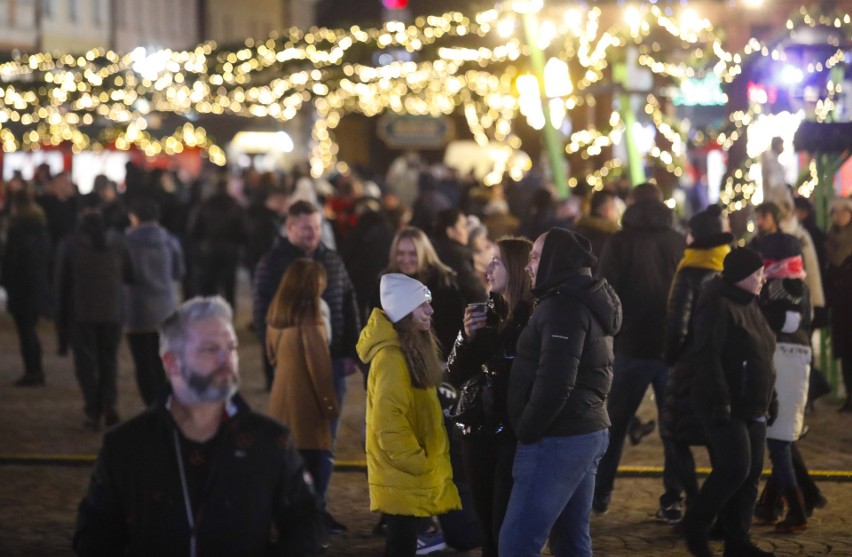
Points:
[[401, 535], [846, 368], [630, 381], [95, 348], [488, 466], [150, 375], [29, 343], [730, 491], [683, 463], [312, 459]]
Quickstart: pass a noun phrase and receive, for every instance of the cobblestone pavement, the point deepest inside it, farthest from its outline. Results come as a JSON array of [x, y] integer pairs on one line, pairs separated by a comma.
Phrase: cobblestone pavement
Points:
[[38, 501]]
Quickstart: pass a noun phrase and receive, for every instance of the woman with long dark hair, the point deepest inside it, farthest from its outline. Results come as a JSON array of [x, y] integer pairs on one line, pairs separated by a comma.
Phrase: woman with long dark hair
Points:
[[483, 355]]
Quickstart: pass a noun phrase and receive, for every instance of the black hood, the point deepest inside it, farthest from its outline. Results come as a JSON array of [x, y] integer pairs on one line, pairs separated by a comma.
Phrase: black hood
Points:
[[599, 297], [564, 254], [648, 214]]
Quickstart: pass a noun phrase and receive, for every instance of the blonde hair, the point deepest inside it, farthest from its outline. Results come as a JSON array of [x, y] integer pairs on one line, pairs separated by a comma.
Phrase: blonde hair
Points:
[[427, 258]]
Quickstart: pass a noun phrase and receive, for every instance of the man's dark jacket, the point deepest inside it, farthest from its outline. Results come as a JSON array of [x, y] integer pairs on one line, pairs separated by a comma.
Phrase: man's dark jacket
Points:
[[732, 354], [135, 504], [639, 261], [562, 371], [339, 294]]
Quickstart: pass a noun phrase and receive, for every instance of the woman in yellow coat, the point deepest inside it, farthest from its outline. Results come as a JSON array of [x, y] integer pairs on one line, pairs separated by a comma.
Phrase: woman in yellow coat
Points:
[[408, 459], [302, 394]]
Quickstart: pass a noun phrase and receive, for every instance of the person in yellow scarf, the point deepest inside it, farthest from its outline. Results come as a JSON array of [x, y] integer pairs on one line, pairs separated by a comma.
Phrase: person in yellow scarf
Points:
[[708, 242]]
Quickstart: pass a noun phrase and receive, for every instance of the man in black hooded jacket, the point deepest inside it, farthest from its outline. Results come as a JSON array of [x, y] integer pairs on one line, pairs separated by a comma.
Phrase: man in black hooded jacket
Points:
[[557, 403], [640, 262]]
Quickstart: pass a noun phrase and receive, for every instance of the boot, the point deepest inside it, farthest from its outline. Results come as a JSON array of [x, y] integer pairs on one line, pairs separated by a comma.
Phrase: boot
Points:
[[766, 509], [814, 498], [31, 380], [747, 550], [796, 519], [695, 537]]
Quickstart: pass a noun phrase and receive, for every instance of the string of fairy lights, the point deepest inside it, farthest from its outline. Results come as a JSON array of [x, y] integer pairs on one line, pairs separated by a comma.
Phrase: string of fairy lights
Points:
[[437, 66]]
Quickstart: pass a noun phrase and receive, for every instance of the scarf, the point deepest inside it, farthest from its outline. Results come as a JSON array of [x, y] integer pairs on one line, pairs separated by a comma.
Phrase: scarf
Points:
[[710, 258], [838, 245], [790, 267]]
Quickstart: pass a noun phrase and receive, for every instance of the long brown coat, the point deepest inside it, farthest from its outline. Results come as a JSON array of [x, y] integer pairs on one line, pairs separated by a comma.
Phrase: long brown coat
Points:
[[302, 395]]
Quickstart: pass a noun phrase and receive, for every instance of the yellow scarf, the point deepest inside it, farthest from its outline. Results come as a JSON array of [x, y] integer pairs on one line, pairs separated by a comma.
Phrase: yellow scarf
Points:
[[710, 258]]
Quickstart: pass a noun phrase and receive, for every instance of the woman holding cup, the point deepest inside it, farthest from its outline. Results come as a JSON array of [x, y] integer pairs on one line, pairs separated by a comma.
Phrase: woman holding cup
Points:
[[486, 346]]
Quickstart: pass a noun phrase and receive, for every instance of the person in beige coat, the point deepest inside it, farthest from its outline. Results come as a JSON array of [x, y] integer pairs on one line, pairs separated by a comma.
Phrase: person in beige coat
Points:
[[302, 394]]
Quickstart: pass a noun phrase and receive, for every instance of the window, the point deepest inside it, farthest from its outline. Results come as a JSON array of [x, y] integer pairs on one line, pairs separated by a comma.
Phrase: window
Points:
[[47, 8], [73, 10], [97, 16]]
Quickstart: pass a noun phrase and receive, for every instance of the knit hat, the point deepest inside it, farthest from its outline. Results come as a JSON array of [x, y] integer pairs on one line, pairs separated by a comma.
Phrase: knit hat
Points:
[[707, 229], [400, 295], [779, 246], [740, 263]]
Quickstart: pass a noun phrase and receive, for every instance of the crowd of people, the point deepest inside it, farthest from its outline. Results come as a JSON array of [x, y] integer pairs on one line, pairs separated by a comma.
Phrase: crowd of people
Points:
[[507, 340]]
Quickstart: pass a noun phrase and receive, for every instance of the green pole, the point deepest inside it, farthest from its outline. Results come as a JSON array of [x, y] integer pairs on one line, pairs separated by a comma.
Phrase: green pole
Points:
[[552, 141], [634, 160]]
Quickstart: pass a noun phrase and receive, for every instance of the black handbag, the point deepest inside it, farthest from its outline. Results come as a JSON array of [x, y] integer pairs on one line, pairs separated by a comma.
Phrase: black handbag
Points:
[[475, 405]]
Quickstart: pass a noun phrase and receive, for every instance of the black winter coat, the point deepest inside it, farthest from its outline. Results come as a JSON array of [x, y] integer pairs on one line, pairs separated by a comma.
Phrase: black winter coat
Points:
[[26, 264], [562, 373], [838, 280], [679, 421], [218, 227], [639, 261], [494, 351], [732, 354], [135, 503], [89, 281], [339, 294]]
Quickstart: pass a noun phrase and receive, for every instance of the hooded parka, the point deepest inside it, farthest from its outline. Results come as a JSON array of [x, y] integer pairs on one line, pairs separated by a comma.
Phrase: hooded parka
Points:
[[408, 458]]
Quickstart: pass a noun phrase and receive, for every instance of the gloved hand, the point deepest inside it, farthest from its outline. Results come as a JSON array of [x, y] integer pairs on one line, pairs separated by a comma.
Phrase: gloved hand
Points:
[[720, 415], [820, 319], [772, 411]]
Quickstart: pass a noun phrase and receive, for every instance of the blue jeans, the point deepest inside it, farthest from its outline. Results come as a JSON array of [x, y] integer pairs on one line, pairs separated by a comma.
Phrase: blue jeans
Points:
[[327, 460], [629, 382], [781, 455], [552, 495]]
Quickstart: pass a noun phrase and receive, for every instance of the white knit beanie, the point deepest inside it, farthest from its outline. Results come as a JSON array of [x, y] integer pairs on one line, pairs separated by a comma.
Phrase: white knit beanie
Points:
[[400, 295]]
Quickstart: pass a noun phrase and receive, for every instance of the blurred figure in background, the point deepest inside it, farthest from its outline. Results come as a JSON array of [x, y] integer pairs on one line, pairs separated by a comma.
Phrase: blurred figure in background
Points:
[[838, 250], [152, 297], [26, 271]]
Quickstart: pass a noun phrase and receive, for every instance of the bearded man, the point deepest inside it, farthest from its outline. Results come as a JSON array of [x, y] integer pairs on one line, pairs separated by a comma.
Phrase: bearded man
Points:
[[199, 473]]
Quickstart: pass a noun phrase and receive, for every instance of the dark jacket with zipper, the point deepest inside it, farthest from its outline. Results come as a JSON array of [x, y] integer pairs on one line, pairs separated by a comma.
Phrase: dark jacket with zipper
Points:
[[339, 294], [26, 264], [679, 421], [639, 261], [491, 351], [135, 502], [732, 354], [562, 371]]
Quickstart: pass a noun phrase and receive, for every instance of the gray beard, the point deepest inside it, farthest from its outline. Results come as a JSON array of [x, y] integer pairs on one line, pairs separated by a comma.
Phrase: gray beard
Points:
[[201, 388]]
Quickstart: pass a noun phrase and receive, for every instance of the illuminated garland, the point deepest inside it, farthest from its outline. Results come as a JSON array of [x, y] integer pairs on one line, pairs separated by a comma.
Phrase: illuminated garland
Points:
[[52, 99]]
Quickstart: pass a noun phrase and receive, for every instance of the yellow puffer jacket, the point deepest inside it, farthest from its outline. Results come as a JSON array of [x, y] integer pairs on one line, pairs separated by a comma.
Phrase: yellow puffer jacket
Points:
[[408, 458]]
